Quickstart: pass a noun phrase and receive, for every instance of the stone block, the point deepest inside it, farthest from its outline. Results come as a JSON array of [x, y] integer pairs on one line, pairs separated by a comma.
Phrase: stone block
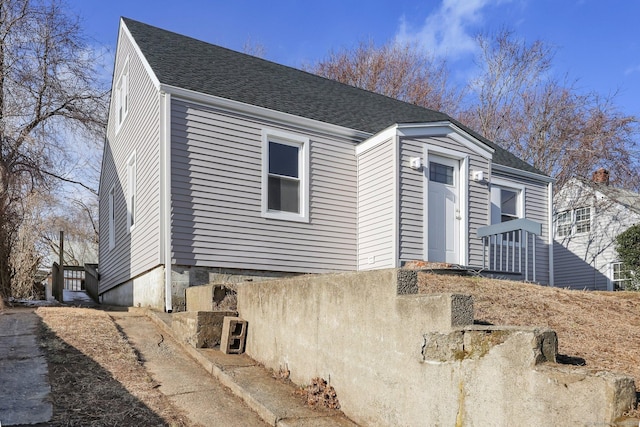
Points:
[[234, 333], [207, 297], [201, 329]]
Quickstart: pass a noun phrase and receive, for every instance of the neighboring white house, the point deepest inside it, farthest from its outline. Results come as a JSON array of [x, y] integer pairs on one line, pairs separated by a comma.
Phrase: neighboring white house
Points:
[[589, 216], [219, 165]]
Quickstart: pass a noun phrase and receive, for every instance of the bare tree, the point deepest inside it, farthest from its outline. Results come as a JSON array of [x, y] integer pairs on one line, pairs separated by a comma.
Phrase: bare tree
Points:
[[399, 71], [518, 103], [48, 91]]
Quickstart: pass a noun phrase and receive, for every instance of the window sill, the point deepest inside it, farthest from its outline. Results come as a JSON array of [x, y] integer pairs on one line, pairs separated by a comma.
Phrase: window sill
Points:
[[285, 216]]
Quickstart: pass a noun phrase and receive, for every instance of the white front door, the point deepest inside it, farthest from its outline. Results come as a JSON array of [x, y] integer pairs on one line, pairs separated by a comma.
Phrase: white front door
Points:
[[443, 205]]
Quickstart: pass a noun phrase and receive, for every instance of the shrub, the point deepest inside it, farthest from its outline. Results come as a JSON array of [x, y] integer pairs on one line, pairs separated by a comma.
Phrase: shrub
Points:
[[628, 248]]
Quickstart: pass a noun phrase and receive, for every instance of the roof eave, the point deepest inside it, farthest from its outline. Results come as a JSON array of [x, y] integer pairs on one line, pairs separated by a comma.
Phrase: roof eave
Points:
[[523, 173], [254, 110]]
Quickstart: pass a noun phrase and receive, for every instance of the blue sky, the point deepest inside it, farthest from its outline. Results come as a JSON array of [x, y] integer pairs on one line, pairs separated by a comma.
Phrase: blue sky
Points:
[[597, 42]]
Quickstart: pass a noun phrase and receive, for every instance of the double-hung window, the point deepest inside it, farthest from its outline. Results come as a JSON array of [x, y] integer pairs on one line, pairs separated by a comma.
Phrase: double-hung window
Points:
[[563, 224], [285, 176], [583, 220], [507, 204], [573, 221], [131, 192], [507, 201], [112, 218]]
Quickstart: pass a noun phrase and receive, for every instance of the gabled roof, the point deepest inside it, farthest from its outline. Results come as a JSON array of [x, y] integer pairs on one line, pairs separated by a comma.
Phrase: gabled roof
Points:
[[626, 198], [192, 64]]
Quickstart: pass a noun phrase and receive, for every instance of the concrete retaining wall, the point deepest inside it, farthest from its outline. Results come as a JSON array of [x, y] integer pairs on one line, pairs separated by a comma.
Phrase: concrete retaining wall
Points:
[[395, 358], [183, 277]]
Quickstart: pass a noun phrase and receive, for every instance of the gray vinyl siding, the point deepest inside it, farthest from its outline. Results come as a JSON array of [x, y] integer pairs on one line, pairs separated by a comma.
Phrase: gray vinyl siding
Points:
[[376, 207], [137, 251], [412, 198], [573, 271], [536, 208], [479, 208], [216, 197]]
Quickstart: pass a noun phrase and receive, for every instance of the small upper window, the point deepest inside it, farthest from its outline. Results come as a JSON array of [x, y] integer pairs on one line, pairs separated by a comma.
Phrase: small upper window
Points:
[[122, 94], [441, 173], [285, 182]]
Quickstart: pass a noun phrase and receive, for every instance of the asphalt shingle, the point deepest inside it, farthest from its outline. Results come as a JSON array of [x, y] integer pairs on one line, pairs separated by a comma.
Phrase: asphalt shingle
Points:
[[184, 62]]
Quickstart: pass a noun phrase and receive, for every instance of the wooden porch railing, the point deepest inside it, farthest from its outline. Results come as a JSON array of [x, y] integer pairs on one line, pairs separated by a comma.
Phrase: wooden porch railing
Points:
[[506, 246]]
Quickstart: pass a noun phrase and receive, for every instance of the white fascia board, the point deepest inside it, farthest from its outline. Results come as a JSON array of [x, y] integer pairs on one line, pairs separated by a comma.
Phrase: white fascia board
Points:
[[266, 113], [522, 173], [377, 139], [145, 64], [448, 129]]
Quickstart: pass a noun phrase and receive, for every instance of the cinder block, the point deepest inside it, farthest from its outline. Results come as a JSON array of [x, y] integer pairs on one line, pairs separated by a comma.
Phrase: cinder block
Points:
[[201, 329], [234, 334]]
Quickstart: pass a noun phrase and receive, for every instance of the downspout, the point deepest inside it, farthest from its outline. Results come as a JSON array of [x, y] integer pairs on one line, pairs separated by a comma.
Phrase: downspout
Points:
[[398, 198], [165, 145], [550, 231]]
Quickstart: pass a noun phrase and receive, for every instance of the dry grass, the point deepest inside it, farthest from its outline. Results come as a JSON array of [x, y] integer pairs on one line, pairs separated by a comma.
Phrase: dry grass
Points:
[[96, 376], [603, 328]]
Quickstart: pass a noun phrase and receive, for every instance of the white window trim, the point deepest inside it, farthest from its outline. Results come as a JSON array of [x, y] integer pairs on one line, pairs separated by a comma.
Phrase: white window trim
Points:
[[573, 229], [557, 224], [269, 135], [132, 191], [111, 219], [612, 280], [575, 220], [123, 79], [508, 185]]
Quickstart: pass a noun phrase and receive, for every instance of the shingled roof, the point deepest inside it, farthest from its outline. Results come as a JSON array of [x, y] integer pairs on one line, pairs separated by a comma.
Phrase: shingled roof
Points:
[[627, 198], [192, 64]]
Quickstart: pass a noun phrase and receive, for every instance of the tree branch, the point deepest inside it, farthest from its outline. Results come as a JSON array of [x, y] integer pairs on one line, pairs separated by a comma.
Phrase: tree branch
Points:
[[71, 181]]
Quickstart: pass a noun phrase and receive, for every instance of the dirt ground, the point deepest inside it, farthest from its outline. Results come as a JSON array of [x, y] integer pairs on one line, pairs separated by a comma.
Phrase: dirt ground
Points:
[[95, 375], [600, 330]]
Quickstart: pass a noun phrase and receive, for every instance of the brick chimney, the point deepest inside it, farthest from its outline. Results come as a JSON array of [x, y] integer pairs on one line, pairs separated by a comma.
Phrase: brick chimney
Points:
[[601, 176]]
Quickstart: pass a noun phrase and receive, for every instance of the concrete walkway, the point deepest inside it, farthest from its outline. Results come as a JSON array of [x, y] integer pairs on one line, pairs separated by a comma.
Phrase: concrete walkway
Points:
[[24, 384], [211, 387], [273, 400], [187, 385]]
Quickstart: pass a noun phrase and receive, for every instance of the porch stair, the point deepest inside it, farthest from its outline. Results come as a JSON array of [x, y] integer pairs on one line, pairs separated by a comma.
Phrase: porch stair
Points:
[[440, 268], [460, 270]]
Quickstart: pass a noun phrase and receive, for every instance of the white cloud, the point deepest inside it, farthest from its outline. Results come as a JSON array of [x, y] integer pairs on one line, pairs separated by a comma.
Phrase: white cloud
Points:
[[632, 70], [447, 31]]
